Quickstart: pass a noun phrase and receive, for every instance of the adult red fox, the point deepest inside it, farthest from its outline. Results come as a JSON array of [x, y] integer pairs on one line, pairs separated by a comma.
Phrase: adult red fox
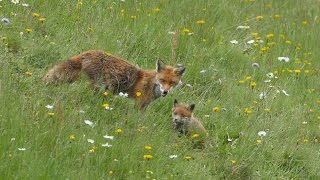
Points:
[[118, 75]]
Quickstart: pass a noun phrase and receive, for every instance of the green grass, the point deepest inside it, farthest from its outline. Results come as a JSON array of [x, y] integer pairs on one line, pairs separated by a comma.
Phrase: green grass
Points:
[[57, 147]]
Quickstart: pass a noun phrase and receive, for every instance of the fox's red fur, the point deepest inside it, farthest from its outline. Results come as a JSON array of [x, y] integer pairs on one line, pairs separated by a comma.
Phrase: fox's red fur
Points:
[[118, 75]]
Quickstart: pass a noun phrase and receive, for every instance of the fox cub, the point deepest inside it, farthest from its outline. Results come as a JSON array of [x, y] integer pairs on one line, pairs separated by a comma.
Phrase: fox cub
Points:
[[184, 121], [117, 75]]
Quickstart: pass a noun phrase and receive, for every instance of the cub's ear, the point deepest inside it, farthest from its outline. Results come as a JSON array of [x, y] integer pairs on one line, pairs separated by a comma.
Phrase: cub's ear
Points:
[[160, 65], [175, 102], [180, 70], [192, 106]]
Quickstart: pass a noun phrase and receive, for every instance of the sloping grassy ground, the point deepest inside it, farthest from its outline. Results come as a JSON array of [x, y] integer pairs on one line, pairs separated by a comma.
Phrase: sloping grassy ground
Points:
[[240, 89]]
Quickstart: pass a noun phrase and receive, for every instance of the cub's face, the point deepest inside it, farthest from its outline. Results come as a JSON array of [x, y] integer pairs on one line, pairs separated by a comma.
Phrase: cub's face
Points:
[[181, 114], [168, 77]]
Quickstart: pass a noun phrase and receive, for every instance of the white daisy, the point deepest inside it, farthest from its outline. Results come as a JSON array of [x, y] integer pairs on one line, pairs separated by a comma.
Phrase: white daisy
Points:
[[121, 94], [251, 41], [49, 106], [88, 122], [90, 141], [234, 41], [284, 59], [173, 156], [106, 145], [108, 137], [203, 71], [22, 149], [263, 95], [15, 1], [243, 27], [262, 133]]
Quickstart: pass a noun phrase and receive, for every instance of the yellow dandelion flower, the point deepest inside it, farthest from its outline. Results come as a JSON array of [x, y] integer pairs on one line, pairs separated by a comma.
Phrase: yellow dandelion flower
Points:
[[106, 105], [288, 42], [282, 36], [248, 78], [254, 34], [305, 22], [241, 81], [28, 73], [277, 16], [233, 162], [306, 71], [270, 44], [93, 149], [253, 84], [147, 156], [133, 17], [200, 22], [110, 173], [259, 18], [247, 110], [42, 19], [259, 141], [267, 110], [306, 140], [156, 10], [216, 109], [51, 114], [187, 157], [72, 137], [264, 50], [105, 93], [35, 14], [89, 29], [186, 30], [297, 71], [119, 130], [147, 147], [270, 35], [138, 94], [195, 136], [28, 30]]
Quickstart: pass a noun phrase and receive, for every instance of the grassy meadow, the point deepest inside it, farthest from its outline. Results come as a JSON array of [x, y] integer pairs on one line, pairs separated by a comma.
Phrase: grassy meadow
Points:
[[252, 71]]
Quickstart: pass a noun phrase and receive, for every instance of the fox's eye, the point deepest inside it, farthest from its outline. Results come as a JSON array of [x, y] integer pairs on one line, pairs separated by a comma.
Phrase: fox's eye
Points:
[[162, 80], [174, 113], [172, 82]]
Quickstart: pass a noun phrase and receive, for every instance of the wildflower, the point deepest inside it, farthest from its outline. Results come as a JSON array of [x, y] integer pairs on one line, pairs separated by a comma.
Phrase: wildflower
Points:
[[138, 94], [49, 106], [266, 110], [216, 109], [108, 137], [106, 145], [270, 36], [90, 141], [254, 34], [284, 59], [156, 10], [186, 30], [234, 42], [106, 105], [250, 42], [105, 93], [88, 122], [297, 71], [305, 22], [188, 157], [72, 137], [270, 44], [258, 141], [147, 156], [93, 149], [5, 20], [42, 19], [133, 17], [264, 49], [233, 162], [22, 149], [110, 173], [200, 22], [248, 78], [262, 133], [28, 73], [270, 75], [203, 71], [118, 131], [25, 5], [253, 84], [51, 114], [121, 94], [35, 14], [263, 95], [259, 18], [15, 1], [243, 27], [288, 42], [247, 110], [173, 156], [241, 81], [28, 30], [194, 136], [89, 29], [147, 147]]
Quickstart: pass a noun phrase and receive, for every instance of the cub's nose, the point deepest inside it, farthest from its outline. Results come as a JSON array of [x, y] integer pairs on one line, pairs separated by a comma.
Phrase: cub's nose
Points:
[[164, 93]]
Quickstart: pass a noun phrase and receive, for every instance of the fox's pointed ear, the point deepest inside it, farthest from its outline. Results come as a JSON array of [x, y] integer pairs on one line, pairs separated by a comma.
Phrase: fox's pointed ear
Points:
[[180, 70], [160, 65], [175, 102], [192, 106]]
